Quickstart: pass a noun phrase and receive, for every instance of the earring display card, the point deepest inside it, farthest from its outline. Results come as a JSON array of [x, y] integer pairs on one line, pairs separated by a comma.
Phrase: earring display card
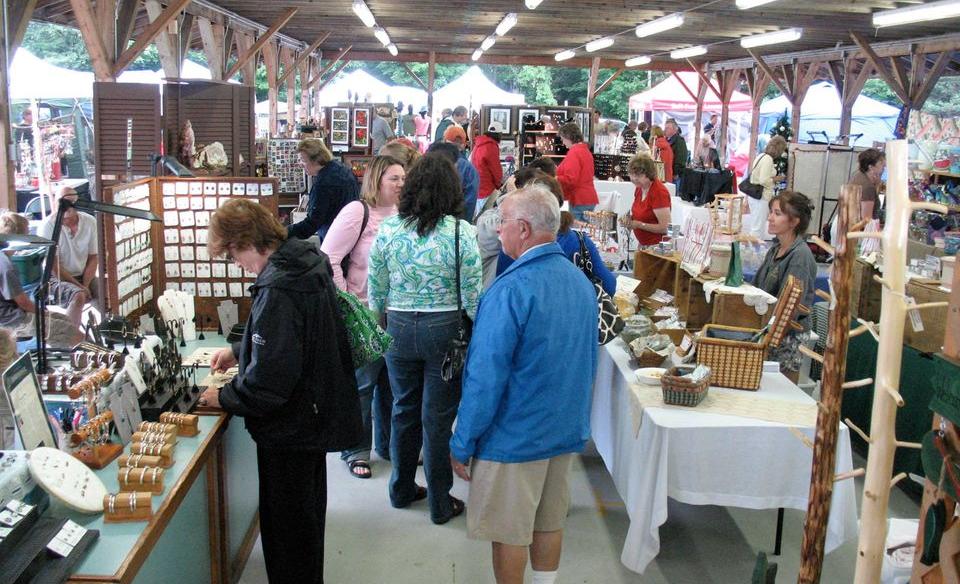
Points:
[[283, 162], [129, 245]]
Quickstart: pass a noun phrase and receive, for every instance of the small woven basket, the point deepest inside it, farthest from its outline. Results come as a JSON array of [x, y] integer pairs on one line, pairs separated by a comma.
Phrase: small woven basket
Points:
[[681, 391]]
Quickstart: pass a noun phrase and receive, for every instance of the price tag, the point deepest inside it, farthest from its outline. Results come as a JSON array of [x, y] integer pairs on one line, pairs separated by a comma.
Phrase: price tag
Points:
[[5, 532], [71, 534], [59, 548], [916, 321], [9, 518]]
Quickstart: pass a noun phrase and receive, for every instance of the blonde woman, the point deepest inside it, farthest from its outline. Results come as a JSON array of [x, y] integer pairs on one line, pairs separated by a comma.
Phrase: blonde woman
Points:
[[347, 245], [763, 172]]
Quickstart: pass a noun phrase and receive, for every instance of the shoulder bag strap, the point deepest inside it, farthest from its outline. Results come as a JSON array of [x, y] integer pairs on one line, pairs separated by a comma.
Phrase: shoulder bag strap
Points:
[[584, 262], [456, 247], [363, 225]]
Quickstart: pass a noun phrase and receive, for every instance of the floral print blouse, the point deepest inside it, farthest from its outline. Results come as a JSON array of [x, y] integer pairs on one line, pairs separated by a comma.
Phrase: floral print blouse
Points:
[[408, 272]]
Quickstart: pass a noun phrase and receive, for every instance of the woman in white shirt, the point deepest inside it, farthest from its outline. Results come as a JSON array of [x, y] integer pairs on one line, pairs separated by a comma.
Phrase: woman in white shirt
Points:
[[764, 173]]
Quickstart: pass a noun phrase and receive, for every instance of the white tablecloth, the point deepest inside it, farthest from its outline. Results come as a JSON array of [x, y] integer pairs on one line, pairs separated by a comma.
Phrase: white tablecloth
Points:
[[618, 197], [705, 459]]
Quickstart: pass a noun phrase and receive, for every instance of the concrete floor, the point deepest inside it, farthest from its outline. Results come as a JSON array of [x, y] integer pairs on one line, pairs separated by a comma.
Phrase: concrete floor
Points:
[[369, 542]]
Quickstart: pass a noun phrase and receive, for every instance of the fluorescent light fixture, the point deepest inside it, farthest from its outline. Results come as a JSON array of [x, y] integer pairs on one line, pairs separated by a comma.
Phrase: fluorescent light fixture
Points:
[[599, 44], [919, 13], [507, 23], [688, 52], [564, 55], [636, 61], [361, 10], [748, 4], [772, 38], [381, 35], [532, 4], [476, 55], [488, 42], [393, 49], [659, 25]]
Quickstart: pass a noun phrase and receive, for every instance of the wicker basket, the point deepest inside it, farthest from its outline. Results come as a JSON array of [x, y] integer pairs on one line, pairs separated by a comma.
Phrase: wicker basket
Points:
[[681, 391], [737, 363], [649, 358]]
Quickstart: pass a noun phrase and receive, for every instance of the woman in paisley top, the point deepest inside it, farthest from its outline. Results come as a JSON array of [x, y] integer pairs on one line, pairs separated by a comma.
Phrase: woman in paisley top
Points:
[[412, 278]]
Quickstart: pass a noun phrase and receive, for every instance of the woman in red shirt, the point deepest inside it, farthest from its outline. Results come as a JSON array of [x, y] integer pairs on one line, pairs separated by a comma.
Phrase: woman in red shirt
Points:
[[662, 151], [650, 215], [575, 173]]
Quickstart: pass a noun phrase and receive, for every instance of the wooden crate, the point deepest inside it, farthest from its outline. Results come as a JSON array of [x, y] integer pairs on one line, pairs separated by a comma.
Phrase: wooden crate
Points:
[[691, 303], [655, 272], [865, 292], [930, 339]]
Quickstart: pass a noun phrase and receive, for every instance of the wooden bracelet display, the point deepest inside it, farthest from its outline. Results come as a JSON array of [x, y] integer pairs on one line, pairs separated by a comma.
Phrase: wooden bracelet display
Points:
[[89, 383], [157, 427], [155, 437], [187, 424], [154, 449], [138, 461], [127, 506], [141, 479]]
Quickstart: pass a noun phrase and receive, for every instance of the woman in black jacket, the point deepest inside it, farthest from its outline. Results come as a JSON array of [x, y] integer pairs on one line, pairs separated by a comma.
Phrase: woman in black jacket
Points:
[[295, 386]]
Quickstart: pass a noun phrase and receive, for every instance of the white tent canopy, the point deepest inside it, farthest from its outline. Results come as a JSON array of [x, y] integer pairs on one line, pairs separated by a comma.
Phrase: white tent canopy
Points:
[[820, 112], [32, 77], [472, 90], [361, 86]]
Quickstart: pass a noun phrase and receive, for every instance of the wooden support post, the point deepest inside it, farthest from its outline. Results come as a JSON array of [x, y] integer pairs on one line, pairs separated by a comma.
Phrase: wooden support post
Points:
[[148, 35], [186, 36], [286, 57], [728, 84], [18, 18], [592, 80], [831, 393], [698, 117], [211, 33], [106, 13], [803, 77], [168, 45], [703, 77], [431, 80], [247, 69], [8, 191], [849, 76], [90, 31], [251, 52], [306, 109], [757, 81], [270, 62]]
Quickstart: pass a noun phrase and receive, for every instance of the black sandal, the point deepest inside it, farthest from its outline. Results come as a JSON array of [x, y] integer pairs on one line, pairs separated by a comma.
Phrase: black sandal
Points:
[[360, 469], [457, 508]]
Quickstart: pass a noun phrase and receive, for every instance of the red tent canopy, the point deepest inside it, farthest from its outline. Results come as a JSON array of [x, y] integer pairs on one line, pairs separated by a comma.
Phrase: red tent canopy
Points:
[[670, 95]]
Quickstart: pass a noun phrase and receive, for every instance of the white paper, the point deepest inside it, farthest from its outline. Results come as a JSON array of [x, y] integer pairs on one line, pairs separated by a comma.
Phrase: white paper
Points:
[[196, 188], [182, 187], [204, 289], [171, 218]]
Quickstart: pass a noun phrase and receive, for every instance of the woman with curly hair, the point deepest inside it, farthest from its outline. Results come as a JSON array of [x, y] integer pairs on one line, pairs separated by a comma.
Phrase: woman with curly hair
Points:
[[412, 280]]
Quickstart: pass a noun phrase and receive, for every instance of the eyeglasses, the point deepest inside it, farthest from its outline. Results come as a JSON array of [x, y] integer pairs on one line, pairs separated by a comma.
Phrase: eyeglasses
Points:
[[501, 220]]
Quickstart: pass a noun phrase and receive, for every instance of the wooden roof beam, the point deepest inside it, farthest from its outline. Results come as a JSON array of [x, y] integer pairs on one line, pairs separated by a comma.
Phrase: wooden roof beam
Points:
[[148, 35], [703, 78], [334, 73], [126, 21], [264, 38], [212, 36], [301, 58], [931, 78], [606, 84], [414, 76], [18, 17], [90, 31], [769, 73], [692, 95], [329, 66], [880, 66]]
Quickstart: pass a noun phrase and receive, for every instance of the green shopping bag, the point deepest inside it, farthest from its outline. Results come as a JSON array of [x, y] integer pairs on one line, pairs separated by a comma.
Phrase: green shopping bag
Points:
[[368, 342]]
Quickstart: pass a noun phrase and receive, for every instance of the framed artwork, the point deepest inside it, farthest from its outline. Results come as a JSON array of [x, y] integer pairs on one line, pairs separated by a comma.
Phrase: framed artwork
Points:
[[559, 116], [283, 162], [508, 148], [361, 135], [360, 118], [583, 120], [524, 113], [500, 119], [340, 125]]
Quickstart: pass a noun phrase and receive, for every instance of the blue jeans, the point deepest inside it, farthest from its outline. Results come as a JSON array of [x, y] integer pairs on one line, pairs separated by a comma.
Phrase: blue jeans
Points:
[[376, 403], [578, 210], [424, 407]]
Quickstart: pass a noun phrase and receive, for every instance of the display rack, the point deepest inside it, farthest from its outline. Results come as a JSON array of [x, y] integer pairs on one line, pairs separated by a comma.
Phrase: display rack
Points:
[[173, 255], [283, 163], [128, 251], [533, 140]]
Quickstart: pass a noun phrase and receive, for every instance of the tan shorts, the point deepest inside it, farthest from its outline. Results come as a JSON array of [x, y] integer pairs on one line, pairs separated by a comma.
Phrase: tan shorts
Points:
[[509, 501]]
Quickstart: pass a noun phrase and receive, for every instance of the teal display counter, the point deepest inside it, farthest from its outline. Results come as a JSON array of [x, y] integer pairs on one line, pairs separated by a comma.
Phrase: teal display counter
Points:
[[918, 383], [203, 524]]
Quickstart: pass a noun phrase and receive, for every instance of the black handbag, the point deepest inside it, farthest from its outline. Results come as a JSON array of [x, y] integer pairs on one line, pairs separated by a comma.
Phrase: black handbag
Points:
[[753, 191], [456, 356], [609, 323]]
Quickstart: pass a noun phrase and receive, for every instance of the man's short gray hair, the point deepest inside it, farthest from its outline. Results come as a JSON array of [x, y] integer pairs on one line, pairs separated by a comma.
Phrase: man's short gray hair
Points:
[[537, 205]]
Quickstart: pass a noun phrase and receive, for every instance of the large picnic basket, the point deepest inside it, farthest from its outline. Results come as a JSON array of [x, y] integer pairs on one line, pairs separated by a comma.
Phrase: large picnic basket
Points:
[[735, 355]]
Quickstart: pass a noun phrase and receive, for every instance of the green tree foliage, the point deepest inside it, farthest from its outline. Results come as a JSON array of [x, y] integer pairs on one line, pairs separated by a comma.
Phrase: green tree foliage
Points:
[[63, 46]]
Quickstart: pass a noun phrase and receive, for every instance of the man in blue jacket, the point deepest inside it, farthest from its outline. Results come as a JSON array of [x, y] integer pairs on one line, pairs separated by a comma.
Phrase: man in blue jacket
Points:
[[526, 393]]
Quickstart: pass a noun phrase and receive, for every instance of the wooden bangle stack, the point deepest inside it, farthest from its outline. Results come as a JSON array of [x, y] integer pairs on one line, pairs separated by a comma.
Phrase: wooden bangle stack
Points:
[[155, 437], [92, 442], [187, 424], [141, 479], [89, 383], [127, 506], [138, 461], [154, 449]]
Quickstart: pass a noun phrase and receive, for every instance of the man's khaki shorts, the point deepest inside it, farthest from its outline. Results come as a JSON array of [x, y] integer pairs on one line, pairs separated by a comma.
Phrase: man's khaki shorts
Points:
[[509, 501]]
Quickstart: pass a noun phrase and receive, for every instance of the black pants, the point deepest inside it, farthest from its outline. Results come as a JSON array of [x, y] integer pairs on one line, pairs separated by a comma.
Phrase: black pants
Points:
[[293, 508]]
